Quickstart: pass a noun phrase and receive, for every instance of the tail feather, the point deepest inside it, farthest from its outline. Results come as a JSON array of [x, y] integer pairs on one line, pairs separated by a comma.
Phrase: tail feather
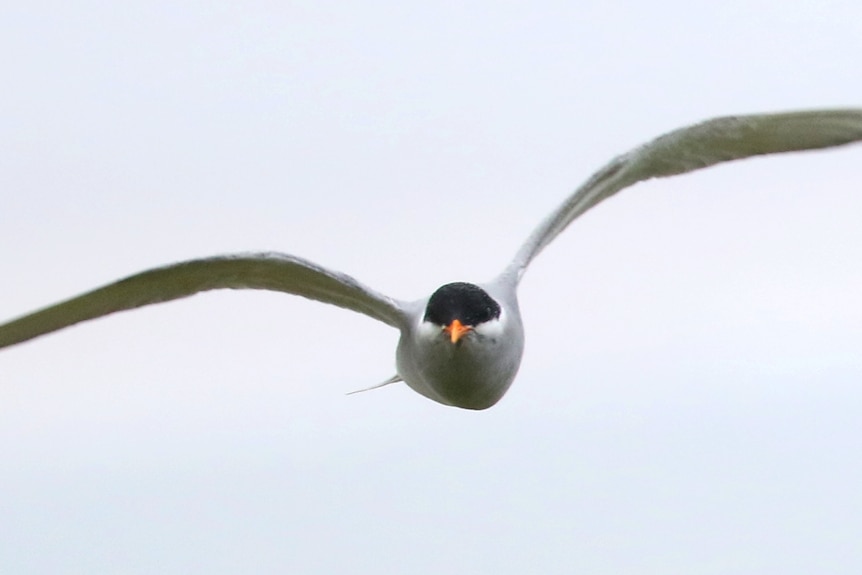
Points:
[[394, 379]]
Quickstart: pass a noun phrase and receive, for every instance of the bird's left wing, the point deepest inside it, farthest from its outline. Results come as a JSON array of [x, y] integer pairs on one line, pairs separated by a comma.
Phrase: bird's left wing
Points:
[[266, 271], [692, 148]]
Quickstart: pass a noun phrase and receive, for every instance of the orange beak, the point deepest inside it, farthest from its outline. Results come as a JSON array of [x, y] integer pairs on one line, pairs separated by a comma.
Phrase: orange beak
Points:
[[456, 330]]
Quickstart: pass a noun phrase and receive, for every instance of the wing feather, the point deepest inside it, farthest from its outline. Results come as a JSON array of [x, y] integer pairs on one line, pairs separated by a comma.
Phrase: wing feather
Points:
[[693, 148], [265, 271]]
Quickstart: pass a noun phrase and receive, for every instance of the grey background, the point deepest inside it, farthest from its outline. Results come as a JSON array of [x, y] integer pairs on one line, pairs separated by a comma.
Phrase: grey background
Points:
[[690, 397]]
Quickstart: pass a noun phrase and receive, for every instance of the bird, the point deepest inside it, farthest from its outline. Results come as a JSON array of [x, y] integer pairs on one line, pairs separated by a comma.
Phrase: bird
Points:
[[462, 345]]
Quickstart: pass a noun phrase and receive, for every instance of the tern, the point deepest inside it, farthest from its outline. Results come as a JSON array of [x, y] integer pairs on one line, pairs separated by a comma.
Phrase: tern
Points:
[[462, 345]]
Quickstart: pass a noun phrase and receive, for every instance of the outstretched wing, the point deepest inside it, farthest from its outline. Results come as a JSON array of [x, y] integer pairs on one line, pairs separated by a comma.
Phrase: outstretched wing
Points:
[[267, 271], [693, 148]]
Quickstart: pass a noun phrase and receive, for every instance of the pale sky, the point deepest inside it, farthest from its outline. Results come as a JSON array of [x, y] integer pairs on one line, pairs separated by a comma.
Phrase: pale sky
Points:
[[691, 395]]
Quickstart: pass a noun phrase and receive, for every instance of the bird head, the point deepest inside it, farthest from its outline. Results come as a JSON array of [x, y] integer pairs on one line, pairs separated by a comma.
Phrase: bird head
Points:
[[458, 308]]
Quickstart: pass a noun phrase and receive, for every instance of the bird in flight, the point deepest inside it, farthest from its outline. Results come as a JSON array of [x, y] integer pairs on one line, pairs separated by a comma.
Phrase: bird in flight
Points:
[[462, 345]]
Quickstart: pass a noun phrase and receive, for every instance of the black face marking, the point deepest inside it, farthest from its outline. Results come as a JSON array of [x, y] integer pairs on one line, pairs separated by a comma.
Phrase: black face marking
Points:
[[468, 303]]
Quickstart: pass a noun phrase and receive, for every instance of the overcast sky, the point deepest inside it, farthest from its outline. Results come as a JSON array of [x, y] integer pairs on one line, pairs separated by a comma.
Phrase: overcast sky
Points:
[[691, 395]]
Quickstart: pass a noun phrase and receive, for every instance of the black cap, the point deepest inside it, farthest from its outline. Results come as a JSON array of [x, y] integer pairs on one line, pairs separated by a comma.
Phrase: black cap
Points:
[[468, 303]]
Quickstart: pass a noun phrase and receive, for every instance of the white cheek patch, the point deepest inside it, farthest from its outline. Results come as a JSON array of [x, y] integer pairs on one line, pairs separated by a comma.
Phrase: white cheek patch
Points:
[[428, 331], [490, 330]]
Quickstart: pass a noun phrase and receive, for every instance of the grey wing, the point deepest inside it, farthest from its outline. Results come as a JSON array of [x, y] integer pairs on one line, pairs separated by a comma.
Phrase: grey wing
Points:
[[692, 148], [266, 271]]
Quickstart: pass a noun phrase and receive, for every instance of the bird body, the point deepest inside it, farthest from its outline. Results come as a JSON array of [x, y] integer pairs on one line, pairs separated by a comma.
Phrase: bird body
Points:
[[473, 372], [462, 345]]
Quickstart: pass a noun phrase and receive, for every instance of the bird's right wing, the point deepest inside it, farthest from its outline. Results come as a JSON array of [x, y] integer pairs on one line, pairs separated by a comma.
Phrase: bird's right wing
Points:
[[265, 271], [692, 148]]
